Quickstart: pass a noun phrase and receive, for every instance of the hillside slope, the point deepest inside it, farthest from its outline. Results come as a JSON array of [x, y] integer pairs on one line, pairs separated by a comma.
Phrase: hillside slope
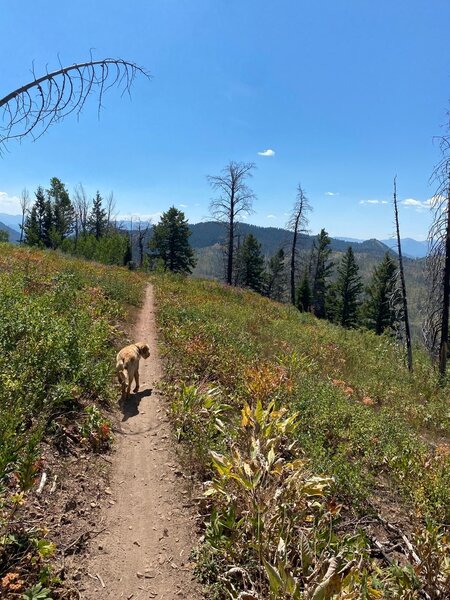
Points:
[[265, 399]]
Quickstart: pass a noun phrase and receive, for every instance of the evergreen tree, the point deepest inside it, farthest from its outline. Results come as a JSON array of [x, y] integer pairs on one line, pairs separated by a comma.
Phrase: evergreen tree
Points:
[[380, 310], [347, 289], [251, 264], [128, 256], [170, 242], [63, 213], [97, 220], [4, 236], [304, 295], [322, 272], [39, 222], [276, 276]]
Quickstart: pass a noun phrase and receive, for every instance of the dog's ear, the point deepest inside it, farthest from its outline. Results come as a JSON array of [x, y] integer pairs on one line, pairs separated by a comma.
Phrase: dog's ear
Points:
[[145, 350]]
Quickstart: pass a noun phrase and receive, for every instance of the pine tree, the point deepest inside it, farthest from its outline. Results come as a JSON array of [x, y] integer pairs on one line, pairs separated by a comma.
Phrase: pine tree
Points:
[[39, 222], [251, 264], [97, 220], [128, 256], [322, 272], [63, 213], [170, 242], [304, 296], [380, 309], [276, 276], [348, 290]]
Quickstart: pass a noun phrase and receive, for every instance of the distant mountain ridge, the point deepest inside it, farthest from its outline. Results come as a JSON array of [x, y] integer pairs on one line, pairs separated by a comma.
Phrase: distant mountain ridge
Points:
[[209, 233], [12, 221], [14, 236]]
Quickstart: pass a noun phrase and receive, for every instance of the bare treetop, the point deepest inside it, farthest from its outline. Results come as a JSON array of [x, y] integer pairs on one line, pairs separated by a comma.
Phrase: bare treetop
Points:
[[32, 108], [298, 219], [235, 197]]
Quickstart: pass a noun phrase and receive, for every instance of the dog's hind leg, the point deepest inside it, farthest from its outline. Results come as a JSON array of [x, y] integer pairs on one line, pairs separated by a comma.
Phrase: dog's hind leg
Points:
[[136, 379]]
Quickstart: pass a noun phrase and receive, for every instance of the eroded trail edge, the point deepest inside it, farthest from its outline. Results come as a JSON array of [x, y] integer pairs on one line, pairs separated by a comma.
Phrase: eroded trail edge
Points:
[[148, 534]]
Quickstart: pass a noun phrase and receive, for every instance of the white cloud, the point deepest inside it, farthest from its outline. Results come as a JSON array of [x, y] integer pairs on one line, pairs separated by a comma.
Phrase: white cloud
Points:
[[411, 202], [268, 152], [9, 204], [153, 217], [183, 205], [419, 205], [271, 216], [331, 193], [373, 202]]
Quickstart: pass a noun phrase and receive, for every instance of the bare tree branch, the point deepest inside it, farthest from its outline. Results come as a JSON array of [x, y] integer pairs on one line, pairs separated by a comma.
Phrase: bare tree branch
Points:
[[32, 108]]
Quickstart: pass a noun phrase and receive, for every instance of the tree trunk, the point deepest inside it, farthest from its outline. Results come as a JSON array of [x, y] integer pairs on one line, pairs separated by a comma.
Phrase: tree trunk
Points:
[[230, 246], [402, 280], [443, 346], [294, 245]]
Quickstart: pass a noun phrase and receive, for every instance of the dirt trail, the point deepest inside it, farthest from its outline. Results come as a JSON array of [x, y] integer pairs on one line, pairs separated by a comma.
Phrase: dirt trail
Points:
[[144, 550]]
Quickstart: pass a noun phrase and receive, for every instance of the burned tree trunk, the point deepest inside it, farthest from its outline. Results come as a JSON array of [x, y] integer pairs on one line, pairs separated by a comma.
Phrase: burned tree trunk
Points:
[[402, 283], [443, 346], [297, 224]]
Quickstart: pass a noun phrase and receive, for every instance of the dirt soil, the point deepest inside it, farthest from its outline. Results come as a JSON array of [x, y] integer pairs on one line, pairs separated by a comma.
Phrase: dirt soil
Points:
[[147, 522]]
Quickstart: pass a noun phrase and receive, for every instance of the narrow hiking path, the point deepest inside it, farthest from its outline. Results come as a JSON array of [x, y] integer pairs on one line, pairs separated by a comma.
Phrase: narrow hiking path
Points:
[[144, 549]]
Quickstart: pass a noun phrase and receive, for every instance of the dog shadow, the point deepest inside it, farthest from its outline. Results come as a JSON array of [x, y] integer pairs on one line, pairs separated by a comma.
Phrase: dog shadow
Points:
[[130, 407]]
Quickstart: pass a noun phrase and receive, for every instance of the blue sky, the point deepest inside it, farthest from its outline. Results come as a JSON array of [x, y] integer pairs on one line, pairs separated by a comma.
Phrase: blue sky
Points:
[[347, 93]]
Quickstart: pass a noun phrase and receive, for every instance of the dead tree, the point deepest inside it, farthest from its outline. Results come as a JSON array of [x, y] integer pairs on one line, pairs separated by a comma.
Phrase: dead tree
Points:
[[142, 231], [402, 282], [33, 107], [111, 214], [235, 199], [81, 207], [297, 224], [436, 325], [24, 201]]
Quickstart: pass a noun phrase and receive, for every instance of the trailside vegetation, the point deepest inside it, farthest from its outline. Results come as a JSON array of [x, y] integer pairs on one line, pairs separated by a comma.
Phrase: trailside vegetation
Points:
[[58, 319], [324, 462]]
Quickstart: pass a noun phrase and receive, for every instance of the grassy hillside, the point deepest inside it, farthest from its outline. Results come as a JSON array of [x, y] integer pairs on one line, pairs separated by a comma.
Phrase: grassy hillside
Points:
[[308, 434], [60, 319]]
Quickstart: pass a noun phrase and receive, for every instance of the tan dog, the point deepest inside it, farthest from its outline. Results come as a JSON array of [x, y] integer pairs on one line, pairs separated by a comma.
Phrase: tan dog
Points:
[[127, 366]]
